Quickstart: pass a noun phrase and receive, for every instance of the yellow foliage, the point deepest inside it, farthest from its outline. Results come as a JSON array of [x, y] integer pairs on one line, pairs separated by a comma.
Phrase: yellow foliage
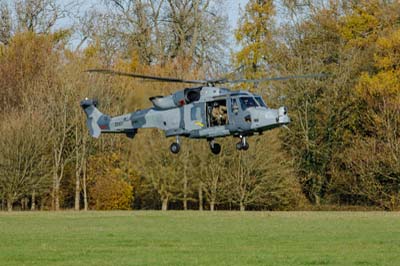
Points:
[[254, 34], [111, 188], [360, 28], [385, 85], [2, 50], [132, 64], [388, 54], [135, 61], [111, 193], [91, 51], [25, 60], [258, 16], [61, 35], [29, 49]]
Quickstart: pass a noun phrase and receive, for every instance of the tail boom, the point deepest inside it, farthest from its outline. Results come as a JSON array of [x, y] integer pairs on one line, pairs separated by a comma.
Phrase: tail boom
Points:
[[98, 123]]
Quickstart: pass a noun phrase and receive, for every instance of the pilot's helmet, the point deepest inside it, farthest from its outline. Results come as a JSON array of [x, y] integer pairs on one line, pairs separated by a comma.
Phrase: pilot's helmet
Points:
[[216, 104]]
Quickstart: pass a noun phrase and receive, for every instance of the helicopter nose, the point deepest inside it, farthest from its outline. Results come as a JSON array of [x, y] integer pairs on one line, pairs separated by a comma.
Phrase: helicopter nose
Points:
[[282, 111], [283, 118]]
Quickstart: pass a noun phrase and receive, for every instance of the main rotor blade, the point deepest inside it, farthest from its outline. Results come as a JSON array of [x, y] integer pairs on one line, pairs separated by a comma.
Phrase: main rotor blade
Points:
[[320, 75], [133, 75]]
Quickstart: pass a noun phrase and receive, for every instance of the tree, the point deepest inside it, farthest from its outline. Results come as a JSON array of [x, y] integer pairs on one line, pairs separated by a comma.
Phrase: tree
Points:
[[188, 169], [5, 24], [156, 32], [26, 61], [254, 34], [373, 160], [331, 118], [263, 178], [160, 169], [212, 175], [36, 16], [23, 158], [111, 188]]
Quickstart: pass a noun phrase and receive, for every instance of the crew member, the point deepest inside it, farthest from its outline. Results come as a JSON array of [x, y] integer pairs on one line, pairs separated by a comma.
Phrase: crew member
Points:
[[219, 114]]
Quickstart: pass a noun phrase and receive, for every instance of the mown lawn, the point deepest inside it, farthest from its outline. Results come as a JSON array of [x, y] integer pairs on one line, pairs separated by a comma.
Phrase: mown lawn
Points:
[[200, 238]]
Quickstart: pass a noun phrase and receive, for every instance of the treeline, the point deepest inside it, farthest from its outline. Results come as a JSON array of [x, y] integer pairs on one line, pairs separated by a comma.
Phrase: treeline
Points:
[[342, 147]]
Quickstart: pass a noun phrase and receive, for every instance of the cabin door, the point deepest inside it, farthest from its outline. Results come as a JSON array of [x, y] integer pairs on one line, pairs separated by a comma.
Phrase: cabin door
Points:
[[194, 116]]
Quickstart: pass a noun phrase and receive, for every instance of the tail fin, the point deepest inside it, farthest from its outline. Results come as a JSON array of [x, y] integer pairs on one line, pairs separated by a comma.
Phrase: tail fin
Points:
[[96, 120]]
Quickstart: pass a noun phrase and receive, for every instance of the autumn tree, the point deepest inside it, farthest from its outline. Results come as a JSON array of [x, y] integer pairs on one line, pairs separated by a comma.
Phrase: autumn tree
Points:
[[374, 164], [23, 159], [330, 118], [5, 24], [254, 35], [342, 146], [160, 169], [263, 177], [212, 175], [156, 32], [26, 61], [111, 187]]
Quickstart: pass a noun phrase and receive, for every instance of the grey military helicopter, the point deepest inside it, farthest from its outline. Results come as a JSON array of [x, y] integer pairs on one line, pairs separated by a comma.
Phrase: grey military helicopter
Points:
[[204, 112]]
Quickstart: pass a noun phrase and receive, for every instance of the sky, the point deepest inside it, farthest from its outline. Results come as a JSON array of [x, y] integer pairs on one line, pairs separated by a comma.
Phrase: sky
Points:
[[234, 7]]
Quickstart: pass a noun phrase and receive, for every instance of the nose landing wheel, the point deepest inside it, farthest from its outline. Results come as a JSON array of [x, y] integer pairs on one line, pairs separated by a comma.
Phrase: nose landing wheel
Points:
[[175, 147], [240, 146]]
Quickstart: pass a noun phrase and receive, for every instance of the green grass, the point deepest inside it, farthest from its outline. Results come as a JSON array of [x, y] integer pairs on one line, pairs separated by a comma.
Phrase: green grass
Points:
[[200, 238]]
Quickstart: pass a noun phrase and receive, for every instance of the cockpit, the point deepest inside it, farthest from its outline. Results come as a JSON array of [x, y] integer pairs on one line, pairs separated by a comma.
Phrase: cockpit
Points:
[[249, 101], [260, 101], [246, 102]]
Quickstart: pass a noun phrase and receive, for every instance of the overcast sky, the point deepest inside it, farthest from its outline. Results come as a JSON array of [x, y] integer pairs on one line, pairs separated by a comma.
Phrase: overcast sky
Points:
[[233, 7]]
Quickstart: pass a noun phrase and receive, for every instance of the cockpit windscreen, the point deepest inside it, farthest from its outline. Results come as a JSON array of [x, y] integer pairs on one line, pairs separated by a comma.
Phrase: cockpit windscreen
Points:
[[261, 102], [247, 102]]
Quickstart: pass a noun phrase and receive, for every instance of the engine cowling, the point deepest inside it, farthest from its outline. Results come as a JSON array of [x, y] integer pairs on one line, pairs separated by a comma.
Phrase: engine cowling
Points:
[[163, 102], [176, 99]]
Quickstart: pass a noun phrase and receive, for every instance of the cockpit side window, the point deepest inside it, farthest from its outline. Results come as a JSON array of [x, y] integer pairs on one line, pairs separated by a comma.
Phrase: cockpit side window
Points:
[[234, 106], [247, 102], [261, 102]]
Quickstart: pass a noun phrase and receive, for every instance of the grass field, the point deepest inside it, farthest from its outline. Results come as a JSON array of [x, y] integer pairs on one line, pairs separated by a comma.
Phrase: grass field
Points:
[[200, 238]]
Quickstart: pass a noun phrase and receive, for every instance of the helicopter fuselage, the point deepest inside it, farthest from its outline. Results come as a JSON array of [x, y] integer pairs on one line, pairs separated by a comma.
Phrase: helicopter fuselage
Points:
[[204, 112]]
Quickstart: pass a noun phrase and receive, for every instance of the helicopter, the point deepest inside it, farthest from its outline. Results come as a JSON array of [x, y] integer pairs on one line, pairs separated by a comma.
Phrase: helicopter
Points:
[[204, 112]]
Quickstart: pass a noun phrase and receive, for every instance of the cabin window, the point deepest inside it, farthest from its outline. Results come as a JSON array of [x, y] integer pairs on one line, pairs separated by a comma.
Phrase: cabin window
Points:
[[246, 102], [195, 113]]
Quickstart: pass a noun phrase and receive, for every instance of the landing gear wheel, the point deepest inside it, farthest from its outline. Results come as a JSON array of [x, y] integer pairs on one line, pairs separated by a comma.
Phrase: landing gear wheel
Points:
[[216, 148], [239, 146], [245, 147], [175, 148], [242, 144]]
